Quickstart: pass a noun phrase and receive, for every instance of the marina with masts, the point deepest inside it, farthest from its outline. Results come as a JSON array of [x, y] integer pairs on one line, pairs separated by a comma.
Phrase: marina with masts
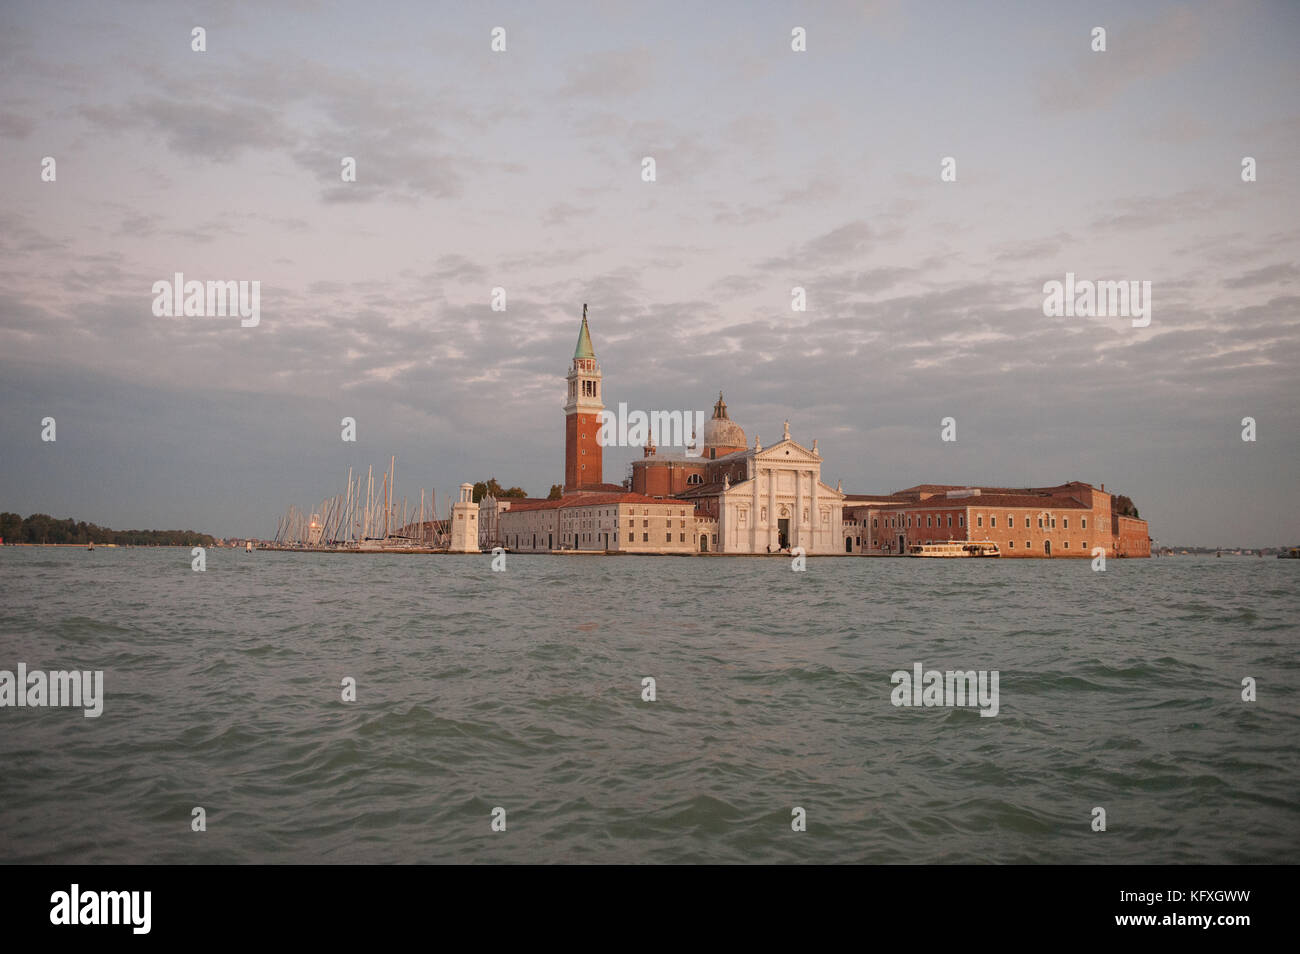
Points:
[[367, 518]]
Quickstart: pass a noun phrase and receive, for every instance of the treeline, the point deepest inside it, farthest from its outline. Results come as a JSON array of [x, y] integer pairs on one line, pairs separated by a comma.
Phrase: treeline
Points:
[[42, 528], [491, 487]]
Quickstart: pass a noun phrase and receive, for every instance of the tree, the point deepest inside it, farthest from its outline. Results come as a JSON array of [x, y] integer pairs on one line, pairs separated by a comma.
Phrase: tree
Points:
[[42, 528], [491, 488], [556, 492], [11, 525], [1123, 506]]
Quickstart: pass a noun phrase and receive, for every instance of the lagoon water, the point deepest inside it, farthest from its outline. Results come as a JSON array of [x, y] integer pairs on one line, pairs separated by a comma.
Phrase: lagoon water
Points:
[[522, 689]]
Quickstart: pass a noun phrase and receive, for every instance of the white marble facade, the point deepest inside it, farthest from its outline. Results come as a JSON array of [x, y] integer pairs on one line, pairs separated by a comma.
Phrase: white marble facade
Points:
[[782, 503]]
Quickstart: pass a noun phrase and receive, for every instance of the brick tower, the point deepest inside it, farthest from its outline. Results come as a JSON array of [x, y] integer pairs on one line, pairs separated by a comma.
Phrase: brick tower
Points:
[[582, 416]]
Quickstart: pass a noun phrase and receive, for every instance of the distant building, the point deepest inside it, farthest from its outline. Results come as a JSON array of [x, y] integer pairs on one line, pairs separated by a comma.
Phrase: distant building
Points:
[[1063, 521], [616, 522]]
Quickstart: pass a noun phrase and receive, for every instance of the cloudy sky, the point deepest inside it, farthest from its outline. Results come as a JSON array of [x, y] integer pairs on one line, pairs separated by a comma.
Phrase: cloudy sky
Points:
[[522, 169]]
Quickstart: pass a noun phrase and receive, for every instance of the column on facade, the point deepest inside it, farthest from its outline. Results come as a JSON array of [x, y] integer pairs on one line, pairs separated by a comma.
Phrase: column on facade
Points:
[[773, 540], [814, 513], [796, 531]]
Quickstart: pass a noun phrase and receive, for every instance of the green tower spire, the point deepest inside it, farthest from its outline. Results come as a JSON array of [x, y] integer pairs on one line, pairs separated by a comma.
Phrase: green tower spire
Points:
[[584, 349]]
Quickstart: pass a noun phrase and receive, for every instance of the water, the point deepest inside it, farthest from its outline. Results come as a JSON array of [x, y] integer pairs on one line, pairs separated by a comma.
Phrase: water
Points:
[[522, 690]]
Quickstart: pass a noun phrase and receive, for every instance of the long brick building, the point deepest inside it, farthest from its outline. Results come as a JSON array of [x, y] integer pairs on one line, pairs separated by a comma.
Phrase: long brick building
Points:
[[1063, 521]]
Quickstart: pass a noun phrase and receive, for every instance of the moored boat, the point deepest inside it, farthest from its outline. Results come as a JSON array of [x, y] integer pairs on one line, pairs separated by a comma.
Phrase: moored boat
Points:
[[955, 550]]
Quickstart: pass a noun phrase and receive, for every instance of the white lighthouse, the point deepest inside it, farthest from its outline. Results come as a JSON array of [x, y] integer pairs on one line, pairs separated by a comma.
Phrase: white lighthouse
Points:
[[464, 522]]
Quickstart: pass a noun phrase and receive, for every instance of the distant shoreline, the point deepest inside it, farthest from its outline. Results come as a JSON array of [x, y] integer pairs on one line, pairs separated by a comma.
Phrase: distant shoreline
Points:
[[114, 546]]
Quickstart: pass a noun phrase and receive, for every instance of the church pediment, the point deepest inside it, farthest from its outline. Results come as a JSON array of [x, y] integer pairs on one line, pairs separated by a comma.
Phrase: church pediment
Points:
[[786, 451]]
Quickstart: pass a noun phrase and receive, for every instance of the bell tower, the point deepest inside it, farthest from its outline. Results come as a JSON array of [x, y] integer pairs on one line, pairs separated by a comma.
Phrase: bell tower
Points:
[[582, 416]]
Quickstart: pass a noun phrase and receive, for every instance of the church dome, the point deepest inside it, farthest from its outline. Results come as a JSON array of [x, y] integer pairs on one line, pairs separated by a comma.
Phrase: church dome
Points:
[[721, 432]]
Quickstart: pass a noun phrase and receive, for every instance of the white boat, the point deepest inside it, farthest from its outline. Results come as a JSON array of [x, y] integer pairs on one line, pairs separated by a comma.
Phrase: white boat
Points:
[[955, 550]]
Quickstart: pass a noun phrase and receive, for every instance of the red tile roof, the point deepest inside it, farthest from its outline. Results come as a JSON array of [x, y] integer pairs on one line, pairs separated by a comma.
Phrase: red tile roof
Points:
[[591, 500], [983, 501]]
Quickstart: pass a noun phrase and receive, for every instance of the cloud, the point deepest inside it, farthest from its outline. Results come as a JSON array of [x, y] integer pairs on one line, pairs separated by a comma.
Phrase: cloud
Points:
[[609, 75], [1282, 273], [198, 129], [15, 125], [1136, 52], [1144, 212]]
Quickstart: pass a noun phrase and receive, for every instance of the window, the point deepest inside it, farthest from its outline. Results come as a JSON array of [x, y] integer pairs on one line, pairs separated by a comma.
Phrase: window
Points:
[[875, 523], [993, 521], [1066, 523], [1085, 524], [645, 538], [1046, 544], [950, 520], [1040, 523], [1026, 523], [961, 520], [1053, 523], [1085, 544], [645, 523], [979, 521], [927, 520], [1066, 545], [1011, 544], [1028, 545], [683, 536], [668, 538], [715, 539]]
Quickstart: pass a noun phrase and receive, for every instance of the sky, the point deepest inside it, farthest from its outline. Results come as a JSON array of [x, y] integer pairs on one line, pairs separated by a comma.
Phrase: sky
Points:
[[522, 169]]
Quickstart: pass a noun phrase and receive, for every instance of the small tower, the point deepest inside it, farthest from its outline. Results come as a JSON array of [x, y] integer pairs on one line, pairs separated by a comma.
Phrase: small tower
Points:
[[464, 522], [582, 416]]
